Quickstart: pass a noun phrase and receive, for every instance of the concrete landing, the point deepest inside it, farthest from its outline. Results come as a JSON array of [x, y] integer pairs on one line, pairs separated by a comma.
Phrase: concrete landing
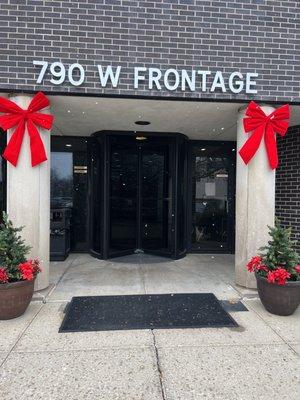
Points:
[[257, 360]]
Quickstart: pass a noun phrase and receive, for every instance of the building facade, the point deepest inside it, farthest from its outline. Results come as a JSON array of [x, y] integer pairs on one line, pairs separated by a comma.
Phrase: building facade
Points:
[[148, 99]]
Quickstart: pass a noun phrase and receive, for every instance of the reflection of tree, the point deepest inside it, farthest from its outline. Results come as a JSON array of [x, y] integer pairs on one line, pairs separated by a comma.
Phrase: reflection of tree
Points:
[[60, 186], [207, 167]]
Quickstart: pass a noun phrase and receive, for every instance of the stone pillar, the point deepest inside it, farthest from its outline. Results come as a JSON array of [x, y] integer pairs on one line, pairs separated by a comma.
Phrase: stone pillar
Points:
[[255, 204], [28, 197]]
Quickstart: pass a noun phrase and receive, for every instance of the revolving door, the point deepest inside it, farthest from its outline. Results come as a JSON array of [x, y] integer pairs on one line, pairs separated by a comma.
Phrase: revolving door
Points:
[[137, 194]]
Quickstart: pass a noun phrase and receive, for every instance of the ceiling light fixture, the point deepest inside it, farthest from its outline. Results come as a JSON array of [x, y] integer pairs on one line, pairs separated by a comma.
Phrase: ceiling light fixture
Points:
[[68, 145], [140, 138]]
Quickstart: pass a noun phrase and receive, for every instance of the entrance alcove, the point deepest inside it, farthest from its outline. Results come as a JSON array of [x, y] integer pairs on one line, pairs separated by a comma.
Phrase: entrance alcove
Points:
[[159, 175]]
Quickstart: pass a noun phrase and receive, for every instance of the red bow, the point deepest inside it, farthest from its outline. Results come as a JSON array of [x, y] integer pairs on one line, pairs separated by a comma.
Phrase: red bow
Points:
[[267, 126], [15, 115]]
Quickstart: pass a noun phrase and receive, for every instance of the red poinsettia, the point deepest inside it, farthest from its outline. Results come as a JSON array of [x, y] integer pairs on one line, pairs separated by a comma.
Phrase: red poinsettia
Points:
[[254, 264], [297, 269], [36, 266], [29, 269], [279, 276], [262, 268], [26, 270], [3, 275]]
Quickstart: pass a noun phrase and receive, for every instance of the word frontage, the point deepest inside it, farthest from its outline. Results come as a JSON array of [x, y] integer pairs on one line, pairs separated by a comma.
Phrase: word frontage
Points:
[[151, 77]]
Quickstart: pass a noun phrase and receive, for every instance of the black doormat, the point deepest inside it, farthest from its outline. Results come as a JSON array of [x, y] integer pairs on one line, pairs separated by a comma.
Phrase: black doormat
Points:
[[162, 311]]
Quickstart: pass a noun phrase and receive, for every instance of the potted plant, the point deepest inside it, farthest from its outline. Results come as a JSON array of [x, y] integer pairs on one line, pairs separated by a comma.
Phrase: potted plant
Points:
[[277, 272], [17, 274]]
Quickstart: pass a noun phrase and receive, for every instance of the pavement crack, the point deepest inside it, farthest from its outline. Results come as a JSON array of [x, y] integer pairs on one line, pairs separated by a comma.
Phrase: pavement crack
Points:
[[159, 369], [21, 335]]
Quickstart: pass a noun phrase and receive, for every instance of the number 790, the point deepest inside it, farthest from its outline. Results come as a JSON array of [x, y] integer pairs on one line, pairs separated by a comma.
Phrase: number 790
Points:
[[58, 72]]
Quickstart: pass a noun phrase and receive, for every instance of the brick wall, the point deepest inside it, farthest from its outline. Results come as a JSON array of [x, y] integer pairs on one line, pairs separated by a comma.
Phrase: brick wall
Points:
[[257, 35], [288, 181]]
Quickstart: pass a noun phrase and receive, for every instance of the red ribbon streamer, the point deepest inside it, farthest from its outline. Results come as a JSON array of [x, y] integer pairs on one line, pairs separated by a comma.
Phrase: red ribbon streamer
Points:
[[266, 126], [16, 116]]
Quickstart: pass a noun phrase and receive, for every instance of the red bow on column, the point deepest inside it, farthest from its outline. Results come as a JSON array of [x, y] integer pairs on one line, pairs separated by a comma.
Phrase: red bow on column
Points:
[[16, 116], [267, 126]]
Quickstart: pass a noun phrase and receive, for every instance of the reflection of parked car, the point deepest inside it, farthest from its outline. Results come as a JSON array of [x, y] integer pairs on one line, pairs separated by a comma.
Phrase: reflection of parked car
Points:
[[61, 202]]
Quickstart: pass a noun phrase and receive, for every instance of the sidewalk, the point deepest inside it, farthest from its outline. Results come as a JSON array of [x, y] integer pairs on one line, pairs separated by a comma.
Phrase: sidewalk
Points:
[[257, 360]]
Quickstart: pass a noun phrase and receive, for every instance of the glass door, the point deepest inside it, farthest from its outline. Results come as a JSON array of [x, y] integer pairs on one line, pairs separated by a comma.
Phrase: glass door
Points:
[[156, 203], [123, 197], [212, 197], [136, 194]]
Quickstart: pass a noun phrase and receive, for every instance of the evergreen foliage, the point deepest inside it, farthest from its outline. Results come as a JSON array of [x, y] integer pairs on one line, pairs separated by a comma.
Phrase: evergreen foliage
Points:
[[13, 250], [280, 250]]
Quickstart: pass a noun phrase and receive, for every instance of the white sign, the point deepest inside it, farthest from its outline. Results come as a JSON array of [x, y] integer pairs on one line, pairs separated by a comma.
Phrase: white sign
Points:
[[154, 78]]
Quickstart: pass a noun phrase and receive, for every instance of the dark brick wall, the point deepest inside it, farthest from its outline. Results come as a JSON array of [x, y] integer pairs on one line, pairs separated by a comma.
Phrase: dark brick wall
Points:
[[245, 35], [288, 181]]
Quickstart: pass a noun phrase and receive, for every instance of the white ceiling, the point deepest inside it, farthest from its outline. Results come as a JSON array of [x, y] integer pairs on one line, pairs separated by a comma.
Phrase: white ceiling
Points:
[[82, 116], [76, 115]]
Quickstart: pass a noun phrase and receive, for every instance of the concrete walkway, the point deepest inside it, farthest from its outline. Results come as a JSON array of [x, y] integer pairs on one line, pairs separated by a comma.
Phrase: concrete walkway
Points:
[[257, 360]]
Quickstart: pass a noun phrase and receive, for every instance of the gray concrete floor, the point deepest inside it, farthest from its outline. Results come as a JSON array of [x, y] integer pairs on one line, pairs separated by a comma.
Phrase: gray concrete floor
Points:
[[257, 360]]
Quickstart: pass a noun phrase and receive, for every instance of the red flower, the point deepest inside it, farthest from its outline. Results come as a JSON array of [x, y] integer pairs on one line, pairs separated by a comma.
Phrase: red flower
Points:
[[279, 276], [254, 264], [3, 275], [262, 268], [36, 266], [26, 270], [297, 269]]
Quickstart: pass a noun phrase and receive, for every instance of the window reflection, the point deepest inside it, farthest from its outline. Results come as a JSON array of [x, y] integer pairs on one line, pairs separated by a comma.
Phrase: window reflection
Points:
[[69, 184], [61, 179], [210, 198]]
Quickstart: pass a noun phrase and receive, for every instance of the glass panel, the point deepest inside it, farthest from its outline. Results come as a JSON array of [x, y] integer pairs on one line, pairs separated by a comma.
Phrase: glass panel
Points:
[[61, 179], [123, 198], [154, 199], [210, 198], [69, 184]]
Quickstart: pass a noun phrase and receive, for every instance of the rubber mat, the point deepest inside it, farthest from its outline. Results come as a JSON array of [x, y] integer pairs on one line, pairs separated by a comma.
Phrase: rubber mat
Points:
[[157, 311]]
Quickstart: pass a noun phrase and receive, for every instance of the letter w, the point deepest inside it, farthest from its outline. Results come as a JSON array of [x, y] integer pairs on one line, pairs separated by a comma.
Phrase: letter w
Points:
[[109, 74]]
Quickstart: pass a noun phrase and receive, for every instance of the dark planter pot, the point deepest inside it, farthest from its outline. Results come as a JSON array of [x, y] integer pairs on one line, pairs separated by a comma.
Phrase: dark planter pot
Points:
[[15, 298], [279, 299]]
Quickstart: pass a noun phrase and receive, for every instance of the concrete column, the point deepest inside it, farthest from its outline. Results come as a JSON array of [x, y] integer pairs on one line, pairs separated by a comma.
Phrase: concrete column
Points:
[[255, 204], [28, 197]]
